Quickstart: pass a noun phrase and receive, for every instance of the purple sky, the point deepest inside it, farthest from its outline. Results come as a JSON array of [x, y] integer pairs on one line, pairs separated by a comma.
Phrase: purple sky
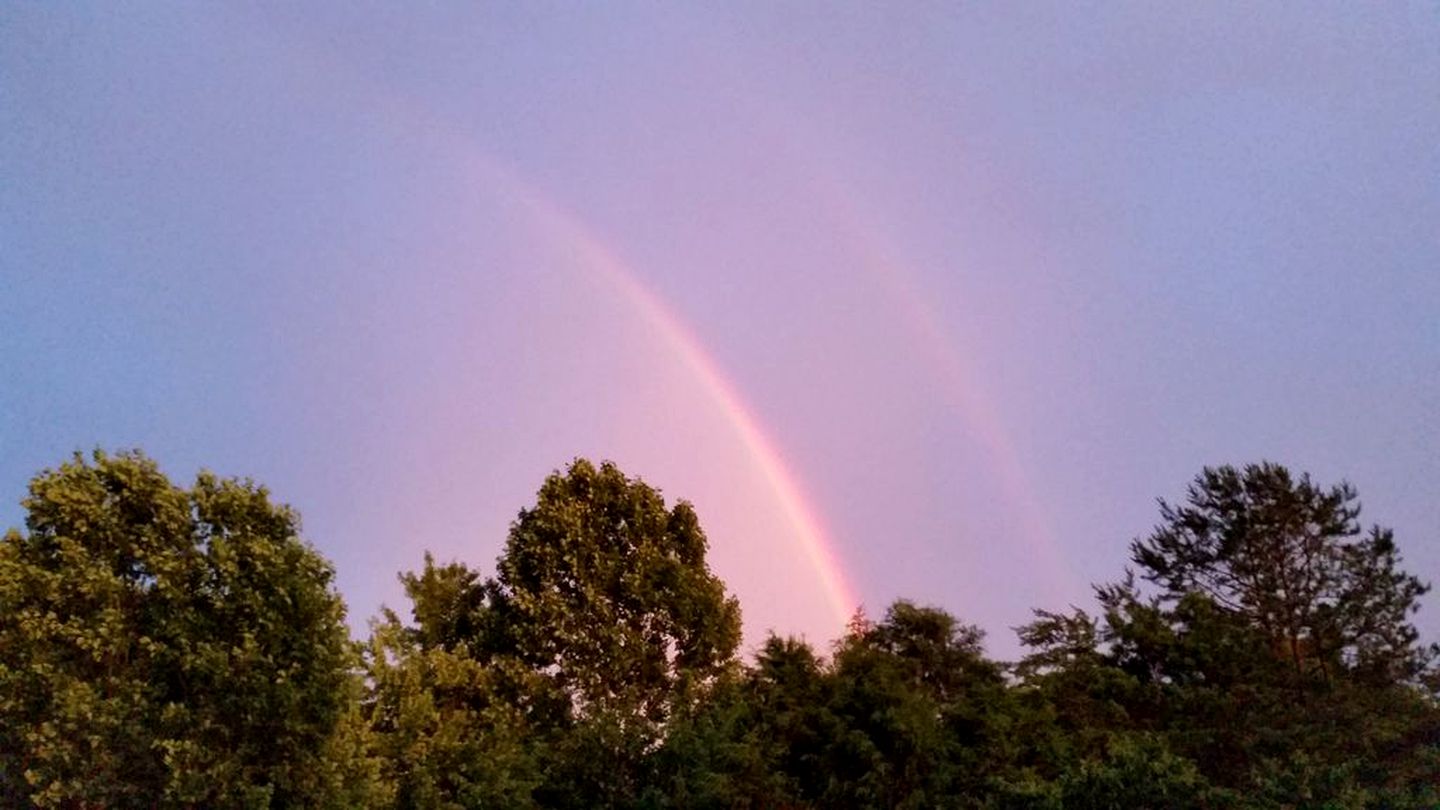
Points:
[[985, 280]]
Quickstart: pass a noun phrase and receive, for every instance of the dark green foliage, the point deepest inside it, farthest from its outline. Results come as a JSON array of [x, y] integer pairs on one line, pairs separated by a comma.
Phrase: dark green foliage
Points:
[[1273, 652], [1137, 773], [448, 729], [907, 713], [1290, 559], [168, 647], [757, 739]]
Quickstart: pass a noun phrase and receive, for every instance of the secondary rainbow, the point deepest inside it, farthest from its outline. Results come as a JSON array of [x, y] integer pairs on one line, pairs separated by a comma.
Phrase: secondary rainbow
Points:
[[952, 369]]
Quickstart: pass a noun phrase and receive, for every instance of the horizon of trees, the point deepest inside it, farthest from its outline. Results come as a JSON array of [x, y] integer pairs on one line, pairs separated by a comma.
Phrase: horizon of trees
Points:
[[163, 646]]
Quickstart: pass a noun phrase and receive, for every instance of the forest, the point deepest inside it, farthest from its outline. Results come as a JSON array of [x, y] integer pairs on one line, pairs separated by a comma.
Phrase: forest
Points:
[[172, 646]]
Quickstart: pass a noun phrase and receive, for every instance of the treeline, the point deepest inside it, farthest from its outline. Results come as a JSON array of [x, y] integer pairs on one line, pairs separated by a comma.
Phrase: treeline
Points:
[[171, 647]]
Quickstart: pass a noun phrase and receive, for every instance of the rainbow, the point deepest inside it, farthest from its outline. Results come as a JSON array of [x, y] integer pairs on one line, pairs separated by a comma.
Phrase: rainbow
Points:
[[594, 255], [945, 359], [952, 370], [957, 381]]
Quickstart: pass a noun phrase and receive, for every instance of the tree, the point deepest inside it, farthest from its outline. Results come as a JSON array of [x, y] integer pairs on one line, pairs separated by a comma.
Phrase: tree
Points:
[[1288, 556], [602, 624], [164, 647], [443, 724], [607, 590], [1137, 772], [759, 739], [453, 720], [1265, 645], [926, 718]]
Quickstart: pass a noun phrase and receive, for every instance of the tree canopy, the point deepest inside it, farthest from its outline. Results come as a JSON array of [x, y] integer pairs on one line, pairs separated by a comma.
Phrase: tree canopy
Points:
[[604, 587], [1290, 559], [172, 647]]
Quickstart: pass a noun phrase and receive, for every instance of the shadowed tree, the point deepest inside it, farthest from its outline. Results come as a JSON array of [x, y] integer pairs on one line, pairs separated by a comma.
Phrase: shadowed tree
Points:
[[1290, 558], [1266, 640]]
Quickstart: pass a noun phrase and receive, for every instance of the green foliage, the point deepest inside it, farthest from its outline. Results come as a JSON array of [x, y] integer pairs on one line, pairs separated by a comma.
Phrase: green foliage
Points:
[[163, 646], [1289, 557], [443, 724], [603, 622], [1274, 654], [921, 709], [607, 589], [1136, 773], [907, 713]]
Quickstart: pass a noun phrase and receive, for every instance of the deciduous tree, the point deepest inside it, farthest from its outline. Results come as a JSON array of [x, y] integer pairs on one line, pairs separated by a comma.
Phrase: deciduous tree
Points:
[[162, 646], [607, 590]]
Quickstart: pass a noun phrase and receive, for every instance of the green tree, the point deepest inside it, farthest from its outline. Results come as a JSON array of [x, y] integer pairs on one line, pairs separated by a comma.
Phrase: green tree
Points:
[[444, 724], [553, 683], [608, 591], [455, 721], [760, 739], [1266, 643], [927, 719], [169, 647], [907, 713], [1290, 558], [1136, 773]]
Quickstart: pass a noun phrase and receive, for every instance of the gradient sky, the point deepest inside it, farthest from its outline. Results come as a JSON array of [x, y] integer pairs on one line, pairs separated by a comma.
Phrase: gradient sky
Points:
[[957, 289]]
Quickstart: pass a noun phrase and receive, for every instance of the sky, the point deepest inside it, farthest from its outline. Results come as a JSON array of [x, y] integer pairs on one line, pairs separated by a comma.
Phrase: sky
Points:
[[922, 300]]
